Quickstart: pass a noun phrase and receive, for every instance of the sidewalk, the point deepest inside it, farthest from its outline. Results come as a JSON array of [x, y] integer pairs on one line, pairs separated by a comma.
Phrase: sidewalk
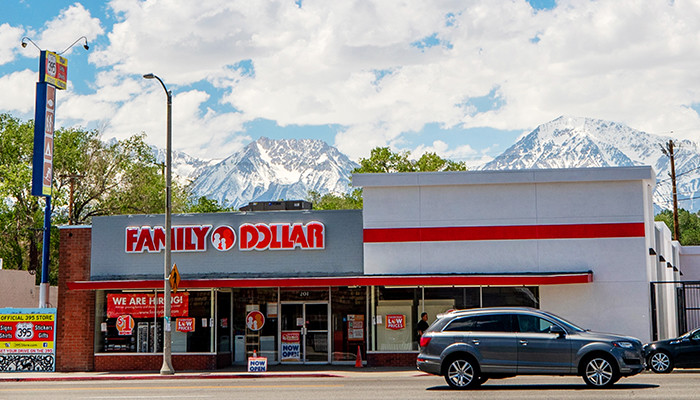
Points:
[[274, 371]]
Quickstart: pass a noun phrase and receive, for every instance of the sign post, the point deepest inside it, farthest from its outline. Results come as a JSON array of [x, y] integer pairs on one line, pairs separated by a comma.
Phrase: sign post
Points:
[[53, 74]]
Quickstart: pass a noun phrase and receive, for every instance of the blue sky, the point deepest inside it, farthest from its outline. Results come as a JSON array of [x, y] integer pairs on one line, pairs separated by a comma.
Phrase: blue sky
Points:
[[462, 78]]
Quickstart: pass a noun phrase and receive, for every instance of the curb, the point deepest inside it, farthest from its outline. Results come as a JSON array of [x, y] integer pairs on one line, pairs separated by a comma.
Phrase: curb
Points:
[[165, 377]]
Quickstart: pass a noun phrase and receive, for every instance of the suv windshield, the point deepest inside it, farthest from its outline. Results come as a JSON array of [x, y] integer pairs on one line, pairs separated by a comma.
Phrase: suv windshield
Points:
[[566, 323]]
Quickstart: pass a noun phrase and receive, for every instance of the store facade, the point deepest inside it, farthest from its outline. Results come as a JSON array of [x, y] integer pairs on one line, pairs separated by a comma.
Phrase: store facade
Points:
[[306, 287]]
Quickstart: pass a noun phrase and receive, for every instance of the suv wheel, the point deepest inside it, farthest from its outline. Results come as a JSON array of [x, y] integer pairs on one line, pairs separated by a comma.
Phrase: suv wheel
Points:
[[462, 373], [600, 372], [660, 362]]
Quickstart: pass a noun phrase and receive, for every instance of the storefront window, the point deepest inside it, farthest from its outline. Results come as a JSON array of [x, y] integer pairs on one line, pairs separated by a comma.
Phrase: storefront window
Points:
[[132, 322], [254, 322], [398, 310], [348, 322], [223, 317]]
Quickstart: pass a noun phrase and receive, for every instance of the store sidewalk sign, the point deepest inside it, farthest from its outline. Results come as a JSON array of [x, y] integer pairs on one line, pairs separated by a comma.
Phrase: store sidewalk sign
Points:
[[27, 339], [257, 364], [291, 346]]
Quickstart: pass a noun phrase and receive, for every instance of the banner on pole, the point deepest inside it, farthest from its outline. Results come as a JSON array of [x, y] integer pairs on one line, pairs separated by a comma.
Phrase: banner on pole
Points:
[[42, 163]]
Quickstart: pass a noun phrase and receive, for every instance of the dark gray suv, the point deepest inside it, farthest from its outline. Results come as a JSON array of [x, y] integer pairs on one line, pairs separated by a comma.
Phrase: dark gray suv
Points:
[[468, 347]]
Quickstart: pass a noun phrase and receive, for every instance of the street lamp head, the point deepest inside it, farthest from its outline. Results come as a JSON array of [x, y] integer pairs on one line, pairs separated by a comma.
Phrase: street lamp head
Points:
[[27, 39], [149, 76]]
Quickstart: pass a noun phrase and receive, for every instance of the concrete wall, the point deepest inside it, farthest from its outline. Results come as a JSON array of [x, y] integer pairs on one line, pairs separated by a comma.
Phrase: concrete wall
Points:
[[618, 300], [17, 290], [690, 263]]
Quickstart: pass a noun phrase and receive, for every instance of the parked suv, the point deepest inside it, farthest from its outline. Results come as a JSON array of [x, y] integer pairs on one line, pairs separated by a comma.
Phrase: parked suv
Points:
[[468, 347]]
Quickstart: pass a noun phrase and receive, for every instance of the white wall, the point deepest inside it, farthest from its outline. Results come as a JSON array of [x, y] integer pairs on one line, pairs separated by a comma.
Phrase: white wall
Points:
[[690, 263], [618, 298]]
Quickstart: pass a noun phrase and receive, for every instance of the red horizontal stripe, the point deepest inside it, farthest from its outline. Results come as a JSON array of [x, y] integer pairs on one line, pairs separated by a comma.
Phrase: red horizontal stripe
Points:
[[406, 280], [513, 232]]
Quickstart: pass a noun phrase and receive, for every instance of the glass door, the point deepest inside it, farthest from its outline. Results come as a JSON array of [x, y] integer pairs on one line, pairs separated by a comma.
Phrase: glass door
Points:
[[304, 333]]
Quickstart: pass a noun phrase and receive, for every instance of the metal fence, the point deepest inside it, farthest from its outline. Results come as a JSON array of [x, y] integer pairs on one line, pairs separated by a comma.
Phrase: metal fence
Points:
[[687, 304]]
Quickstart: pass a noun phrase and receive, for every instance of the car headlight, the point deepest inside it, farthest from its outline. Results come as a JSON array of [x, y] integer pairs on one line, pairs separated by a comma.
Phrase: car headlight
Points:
[[624, 345]]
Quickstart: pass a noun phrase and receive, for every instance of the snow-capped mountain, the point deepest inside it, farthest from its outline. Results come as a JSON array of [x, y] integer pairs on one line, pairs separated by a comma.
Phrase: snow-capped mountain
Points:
[[574, 142], [270, 169], [185, 167]]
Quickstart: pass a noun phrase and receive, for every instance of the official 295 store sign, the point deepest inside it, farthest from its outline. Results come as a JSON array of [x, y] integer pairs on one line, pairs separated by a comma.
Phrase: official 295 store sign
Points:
[[27, 338]]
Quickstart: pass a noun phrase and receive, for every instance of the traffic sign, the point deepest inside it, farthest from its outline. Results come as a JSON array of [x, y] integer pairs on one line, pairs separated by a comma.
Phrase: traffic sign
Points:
[[174, 278]]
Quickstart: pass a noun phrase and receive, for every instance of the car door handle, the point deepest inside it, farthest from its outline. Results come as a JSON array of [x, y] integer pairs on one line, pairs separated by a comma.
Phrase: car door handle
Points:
[[523, 342], [476, 342]]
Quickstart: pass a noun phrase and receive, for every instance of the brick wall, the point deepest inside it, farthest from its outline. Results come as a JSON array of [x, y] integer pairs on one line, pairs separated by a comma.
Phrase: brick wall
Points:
[[75, 319], [133, 362], [391, 359]]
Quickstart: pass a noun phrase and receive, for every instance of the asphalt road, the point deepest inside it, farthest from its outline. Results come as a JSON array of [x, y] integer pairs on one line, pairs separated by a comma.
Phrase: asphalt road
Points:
[[363, 386]]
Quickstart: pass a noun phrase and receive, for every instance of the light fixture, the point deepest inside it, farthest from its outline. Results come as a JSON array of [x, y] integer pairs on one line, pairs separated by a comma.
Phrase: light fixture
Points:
[[85, 45], [27, 39]]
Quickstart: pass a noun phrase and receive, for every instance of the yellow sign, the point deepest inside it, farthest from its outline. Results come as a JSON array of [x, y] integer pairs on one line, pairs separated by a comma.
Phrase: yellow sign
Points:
[[27, 317], [174, 278], [28, 345], [53, 69]]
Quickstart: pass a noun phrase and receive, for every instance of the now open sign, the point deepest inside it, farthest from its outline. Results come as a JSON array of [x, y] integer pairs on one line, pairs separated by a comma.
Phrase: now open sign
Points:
[[257, 364]]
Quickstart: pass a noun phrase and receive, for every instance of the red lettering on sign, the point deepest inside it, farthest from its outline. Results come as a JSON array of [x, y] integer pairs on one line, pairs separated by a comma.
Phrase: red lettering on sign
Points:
[[248, 235], [282, 236], [266, 241], [275, 244], [152, 240], [316, 235], [259, 237]]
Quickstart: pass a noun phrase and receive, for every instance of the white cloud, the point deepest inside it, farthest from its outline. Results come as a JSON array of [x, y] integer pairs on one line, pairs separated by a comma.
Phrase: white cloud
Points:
[[18, 92], [72, 23], [356, 64], [9, 42]]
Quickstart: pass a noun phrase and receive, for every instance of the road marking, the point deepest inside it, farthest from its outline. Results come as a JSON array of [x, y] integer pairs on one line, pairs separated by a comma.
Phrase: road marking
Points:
[[166, 387], [149, 396]]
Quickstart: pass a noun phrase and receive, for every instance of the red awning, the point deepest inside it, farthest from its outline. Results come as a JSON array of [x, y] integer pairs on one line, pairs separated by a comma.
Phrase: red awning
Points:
[[563, 278]]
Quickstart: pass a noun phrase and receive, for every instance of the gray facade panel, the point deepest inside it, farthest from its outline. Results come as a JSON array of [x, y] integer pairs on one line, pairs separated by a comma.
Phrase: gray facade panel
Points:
[[342, 255]]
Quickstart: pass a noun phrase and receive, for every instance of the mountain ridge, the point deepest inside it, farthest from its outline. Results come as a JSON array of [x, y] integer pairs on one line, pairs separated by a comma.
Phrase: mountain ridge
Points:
[[268, 169]]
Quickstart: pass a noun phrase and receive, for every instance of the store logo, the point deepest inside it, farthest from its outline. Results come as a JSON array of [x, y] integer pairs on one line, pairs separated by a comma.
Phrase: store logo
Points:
[[152, 240], [194, 238], [282, 236], [223, 238]]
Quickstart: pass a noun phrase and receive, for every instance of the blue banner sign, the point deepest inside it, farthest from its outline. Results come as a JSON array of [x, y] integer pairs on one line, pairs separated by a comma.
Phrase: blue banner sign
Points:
[[42, 164]]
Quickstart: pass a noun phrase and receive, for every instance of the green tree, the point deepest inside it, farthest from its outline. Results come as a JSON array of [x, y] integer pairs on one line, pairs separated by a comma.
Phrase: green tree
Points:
[[383, 160], [205, 205], [21, 214], [331, 201], [688, 225], [120, 177]]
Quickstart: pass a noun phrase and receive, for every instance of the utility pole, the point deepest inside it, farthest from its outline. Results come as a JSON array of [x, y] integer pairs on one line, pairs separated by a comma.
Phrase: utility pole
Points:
[[668, 151], [72, 178]]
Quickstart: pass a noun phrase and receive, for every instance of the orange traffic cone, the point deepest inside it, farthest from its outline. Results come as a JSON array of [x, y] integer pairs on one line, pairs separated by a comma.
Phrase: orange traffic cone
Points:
[[358, 360]]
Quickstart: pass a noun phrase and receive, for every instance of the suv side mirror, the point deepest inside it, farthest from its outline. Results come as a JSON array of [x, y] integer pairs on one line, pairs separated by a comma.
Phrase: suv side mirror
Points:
[[558, 330]]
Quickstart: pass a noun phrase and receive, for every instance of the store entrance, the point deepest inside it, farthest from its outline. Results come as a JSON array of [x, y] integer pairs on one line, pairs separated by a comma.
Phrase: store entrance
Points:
[[304, 332]]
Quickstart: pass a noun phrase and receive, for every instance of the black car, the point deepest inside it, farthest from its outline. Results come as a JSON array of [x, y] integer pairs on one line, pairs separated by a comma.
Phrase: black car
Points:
[[681, 352]]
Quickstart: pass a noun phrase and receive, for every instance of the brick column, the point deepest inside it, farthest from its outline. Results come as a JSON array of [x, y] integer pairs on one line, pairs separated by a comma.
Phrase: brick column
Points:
[[75, 325]]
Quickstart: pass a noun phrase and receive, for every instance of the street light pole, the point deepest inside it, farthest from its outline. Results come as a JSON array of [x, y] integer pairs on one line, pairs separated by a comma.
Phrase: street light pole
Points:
[[167, 368]]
